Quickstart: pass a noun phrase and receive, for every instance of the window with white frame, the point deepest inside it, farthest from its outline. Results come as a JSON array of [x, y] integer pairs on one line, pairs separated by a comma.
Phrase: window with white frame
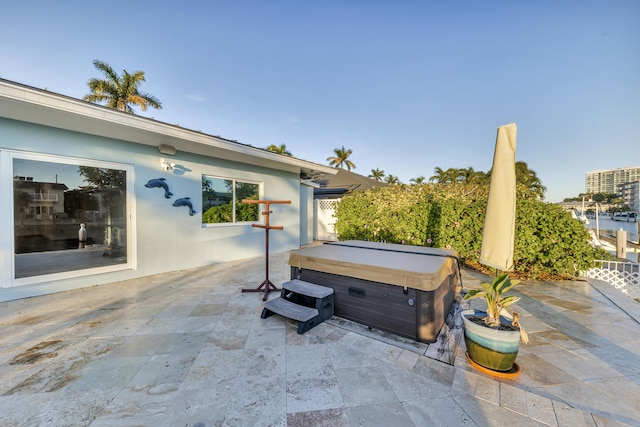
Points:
[[222, 200], [69, 215]]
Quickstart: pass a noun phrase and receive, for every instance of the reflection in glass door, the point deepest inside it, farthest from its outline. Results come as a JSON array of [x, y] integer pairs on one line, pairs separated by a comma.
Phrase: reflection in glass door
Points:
[[68, 216]]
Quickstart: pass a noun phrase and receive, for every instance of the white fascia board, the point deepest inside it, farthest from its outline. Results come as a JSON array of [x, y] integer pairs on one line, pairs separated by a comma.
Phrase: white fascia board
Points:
[[37, 106]]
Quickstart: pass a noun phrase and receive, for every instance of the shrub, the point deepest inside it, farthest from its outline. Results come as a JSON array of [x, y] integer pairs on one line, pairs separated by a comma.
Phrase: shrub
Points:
[[548, 241]]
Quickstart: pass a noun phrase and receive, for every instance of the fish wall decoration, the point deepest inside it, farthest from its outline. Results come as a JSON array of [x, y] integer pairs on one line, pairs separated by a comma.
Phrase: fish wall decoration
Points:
[[159, 183], [185, 201]]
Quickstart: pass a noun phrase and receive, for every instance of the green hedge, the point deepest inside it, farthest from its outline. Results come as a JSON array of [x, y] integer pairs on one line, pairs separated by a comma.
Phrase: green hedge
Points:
[[548, 241]]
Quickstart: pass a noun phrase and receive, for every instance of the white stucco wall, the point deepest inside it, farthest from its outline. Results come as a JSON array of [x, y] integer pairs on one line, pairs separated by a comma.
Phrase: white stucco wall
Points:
[[166, 237]]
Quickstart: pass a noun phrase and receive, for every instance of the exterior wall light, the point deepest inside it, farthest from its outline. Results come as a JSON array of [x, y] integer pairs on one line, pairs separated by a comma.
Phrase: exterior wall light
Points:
[[169, 150], [166, 165]]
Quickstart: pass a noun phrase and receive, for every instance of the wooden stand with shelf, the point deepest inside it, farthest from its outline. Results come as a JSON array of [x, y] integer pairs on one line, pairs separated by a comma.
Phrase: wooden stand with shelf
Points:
[[266, 286]]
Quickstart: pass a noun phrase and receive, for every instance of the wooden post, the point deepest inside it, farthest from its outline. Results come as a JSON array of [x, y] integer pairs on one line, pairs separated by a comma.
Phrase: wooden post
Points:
[[266, 286]]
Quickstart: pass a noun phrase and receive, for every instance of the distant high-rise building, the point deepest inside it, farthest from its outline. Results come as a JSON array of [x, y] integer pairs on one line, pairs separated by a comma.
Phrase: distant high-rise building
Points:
[[630, 192], [607, 180]]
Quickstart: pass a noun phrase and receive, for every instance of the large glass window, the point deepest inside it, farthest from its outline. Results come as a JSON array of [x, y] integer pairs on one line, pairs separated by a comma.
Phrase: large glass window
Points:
[[222, 200], [68, 216]]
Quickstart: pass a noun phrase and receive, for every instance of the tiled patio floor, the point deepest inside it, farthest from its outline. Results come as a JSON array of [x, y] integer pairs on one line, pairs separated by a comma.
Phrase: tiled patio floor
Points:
[[189, 349]]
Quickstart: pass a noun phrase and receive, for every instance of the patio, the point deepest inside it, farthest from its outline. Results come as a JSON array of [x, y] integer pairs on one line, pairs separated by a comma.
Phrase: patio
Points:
[[189, 349]]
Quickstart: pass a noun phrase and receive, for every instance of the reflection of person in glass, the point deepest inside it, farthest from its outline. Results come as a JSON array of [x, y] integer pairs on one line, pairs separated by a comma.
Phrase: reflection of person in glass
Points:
[[82, 236]]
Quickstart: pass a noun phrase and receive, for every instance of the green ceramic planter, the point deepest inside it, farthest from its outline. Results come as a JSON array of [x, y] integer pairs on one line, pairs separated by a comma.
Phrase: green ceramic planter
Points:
[[491, 348]]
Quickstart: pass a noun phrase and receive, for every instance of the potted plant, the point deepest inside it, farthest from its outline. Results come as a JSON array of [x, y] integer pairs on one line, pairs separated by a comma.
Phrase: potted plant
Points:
[[493, 337]]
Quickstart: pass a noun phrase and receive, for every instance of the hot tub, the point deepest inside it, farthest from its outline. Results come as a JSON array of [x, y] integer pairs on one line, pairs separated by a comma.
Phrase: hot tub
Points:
[[405, 290]]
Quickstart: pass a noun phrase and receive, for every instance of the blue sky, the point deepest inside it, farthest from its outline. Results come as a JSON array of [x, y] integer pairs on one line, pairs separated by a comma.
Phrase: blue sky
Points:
[[407, 85]]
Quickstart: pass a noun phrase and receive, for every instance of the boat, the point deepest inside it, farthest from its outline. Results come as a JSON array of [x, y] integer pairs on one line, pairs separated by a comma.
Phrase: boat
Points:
[[625, 216]]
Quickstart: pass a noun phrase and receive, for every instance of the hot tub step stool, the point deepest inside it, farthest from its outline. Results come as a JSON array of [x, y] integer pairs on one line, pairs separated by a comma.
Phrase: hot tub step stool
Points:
[[308, 303]]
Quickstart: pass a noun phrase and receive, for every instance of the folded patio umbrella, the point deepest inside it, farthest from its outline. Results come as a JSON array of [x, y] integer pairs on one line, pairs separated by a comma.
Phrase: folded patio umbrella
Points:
[[499, 224]]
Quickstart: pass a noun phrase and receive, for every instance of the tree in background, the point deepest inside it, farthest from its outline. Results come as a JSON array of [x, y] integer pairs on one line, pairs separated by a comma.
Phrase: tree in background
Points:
[[529, 186], [419, 180], [440, 176], [377, 174], [120, 93], [341, 159], [281, 149], [471, 176], [528, 183], [392, 179]]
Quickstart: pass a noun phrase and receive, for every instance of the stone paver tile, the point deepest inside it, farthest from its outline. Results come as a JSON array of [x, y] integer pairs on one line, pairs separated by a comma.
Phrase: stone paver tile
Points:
[[484, 413], [541, 409], [257, 401], [464, 382], [187, 344], [160, 369], [438, 411], [628, 385], [348, 357], [307, 358], [443, 373], [364, 386], [199, 403], [383, 351], [356, 341], [409, 386], [313, 390], [61, 408], [139, 345], [110, 372], [179, 310], [228, 339], [590, 399], [537, 372], [407, 359], [513, 398], [265, 362], [213, 309], [567, 416], [580, 363], [265, 337], [143, 406], [122, 327], [602, 421], [384, 414], [214, 365], [488, 389], [323, 418], [623, 361], [197, 324]]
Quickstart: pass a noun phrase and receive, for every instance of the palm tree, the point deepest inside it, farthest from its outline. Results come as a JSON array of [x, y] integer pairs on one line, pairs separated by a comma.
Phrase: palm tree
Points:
[[419, 180], [341, 159], [440, 175], [120, 92], [377, 174], [467, 176], [281, 149], [392, 179], [528, 185]]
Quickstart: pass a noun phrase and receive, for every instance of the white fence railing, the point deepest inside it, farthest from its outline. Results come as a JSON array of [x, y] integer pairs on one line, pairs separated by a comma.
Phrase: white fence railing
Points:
[[44, 197], [624, 276]]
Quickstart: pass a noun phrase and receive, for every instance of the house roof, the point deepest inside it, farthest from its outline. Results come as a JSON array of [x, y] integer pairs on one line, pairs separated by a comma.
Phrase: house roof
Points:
[[38, 106], [344, 182], [38, 185]]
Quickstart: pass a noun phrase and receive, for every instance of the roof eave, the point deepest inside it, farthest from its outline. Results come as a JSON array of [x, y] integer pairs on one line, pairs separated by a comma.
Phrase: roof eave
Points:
[[32, 105]]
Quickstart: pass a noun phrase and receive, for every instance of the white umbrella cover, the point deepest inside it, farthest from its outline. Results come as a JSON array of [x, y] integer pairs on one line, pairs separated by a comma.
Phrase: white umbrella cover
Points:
[[499, 224]]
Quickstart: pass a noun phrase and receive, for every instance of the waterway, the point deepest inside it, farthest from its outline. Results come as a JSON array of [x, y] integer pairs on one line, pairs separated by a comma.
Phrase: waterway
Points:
[[608, 227]]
